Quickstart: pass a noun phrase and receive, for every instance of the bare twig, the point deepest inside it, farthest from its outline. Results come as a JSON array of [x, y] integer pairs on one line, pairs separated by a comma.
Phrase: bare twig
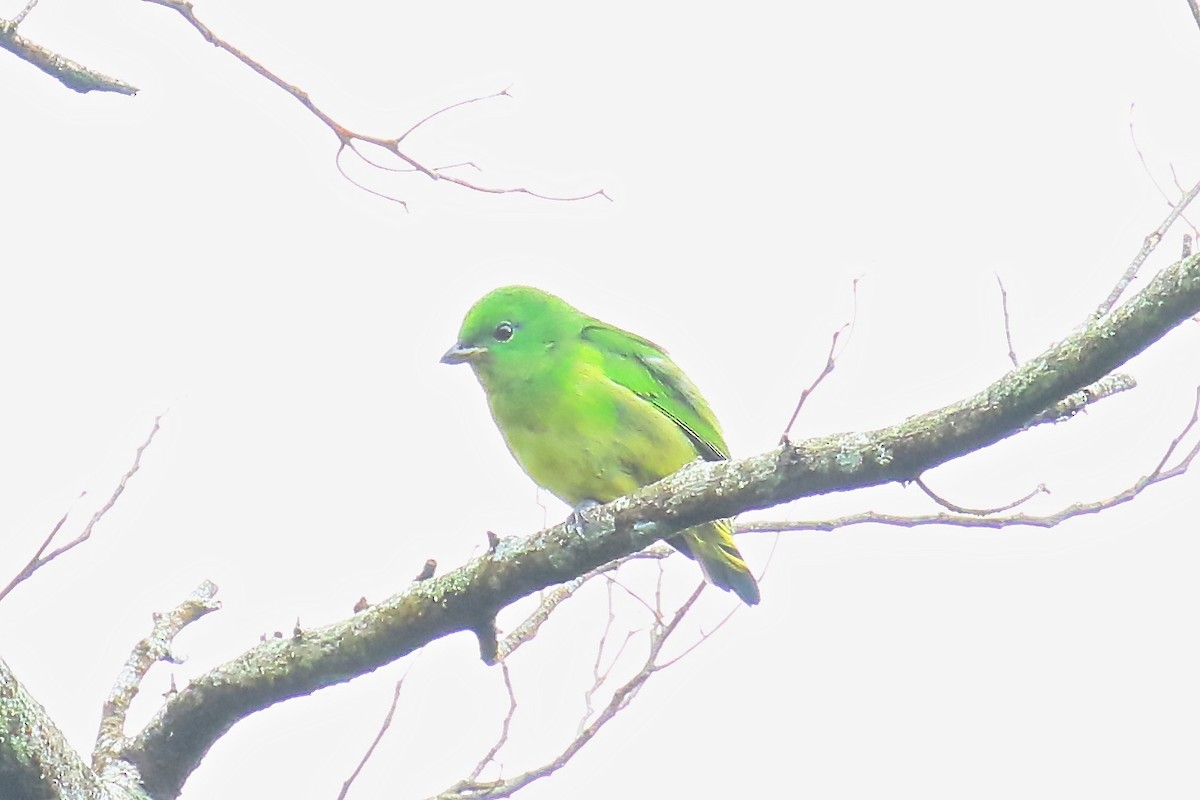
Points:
[[110, 741], [1012, 353], [1162, 463], [978, 512], [502, 93], [383, 729], [599, 674], [347, 138], [830, 363], [505, 726], [654, 610], [1142, 158], [1146, 168], [592, 721], [704, 637], [559, 594], [1148, 245], [19, 18], [621, 698], [41, 558]]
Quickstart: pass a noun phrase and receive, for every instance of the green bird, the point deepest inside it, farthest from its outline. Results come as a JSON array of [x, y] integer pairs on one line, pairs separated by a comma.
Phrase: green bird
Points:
[[592, 412]]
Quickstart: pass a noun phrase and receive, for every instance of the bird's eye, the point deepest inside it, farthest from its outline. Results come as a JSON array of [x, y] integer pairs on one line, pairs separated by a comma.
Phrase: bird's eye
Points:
[[503, 332]]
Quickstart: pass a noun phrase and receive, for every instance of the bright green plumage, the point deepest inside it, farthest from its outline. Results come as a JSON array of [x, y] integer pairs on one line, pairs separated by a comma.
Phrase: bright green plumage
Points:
[[592, 412]]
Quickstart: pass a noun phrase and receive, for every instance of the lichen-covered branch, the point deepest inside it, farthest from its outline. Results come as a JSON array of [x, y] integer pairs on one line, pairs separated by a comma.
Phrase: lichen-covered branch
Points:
[[468, 598], [111, 741], [992, 518], [36, 762], [69, 73]]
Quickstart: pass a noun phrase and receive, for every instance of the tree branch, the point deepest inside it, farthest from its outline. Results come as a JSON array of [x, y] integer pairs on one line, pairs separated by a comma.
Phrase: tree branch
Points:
[[36, 762], [149, 651], [348, 139], [971, 518], [1148, 245], [69, 73], [41, 558], [173, 743]]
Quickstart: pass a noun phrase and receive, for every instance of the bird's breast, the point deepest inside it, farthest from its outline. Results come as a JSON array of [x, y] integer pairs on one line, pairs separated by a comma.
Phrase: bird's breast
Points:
[[584, 437]]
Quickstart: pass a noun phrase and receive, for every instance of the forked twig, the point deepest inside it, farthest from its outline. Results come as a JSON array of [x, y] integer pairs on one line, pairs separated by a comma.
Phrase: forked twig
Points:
[[599, 673], [1148, 245], [110, 741], [830, 364], [621, 698], [41, 558], [552, 599], [347, 138]]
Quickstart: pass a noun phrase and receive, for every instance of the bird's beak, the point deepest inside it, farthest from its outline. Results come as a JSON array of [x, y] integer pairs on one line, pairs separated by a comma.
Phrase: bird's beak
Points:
[[461, 355]]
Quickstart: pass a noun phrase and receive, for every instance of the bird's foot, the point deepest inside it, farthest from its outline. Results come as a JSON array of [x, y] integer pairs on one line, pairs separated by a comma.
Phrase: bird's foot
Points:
[[578, 520]]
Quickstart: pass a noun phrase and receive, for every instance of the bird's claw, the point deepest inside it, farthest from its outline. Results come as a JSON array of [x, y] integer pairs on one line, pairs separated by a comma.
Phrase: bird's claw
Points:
[[577, 520]]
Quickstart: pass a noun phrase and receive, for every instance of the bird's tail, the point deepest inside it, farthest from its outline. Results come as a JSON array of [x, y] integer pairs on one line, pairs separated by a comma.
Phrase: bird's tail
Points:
[[711, 545]]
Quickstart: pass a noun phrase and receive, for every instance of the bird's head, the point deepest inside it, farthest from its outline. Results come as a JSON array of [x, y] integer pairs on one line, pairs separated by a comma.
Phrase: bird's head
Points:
[[511, 333]]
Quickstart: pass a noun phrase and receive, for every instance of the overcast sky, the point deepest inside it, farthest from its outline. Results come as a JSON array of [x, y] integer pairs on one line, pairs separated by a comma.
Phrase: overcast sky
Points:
[[193, 250]]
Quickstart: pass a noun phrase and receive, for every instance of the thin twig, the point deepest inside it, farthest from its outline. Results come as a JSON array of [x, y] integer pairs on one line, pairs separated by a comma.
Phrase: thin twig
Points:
[[1162, 463], [599, 674], [346, 137], [502, 93], [1142, 158], [1146, 168], [830, 363], [978, 512], [41, 558], [552, 599], [19, 18], [621, 698], [598, 677], [704, 636], [1148, 245], [1012, 353], [383, 728], [505, 726]]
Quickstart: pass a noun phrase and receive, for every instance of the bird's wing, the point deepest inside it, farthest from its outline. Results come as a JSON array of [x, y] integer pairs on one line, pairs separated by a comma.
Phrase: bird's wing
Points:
[[645, 369]]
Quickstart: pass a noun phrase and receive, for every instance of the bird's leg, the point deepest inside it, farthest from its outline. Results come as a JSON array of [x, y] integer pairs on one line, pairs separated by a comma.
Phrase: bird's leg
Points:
[[578, 520]]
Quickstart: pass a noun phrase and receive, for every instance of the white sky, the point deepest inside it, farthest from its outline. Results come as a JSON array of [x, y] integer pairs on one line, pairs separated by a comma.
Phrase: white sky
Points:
[[194, 249]]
